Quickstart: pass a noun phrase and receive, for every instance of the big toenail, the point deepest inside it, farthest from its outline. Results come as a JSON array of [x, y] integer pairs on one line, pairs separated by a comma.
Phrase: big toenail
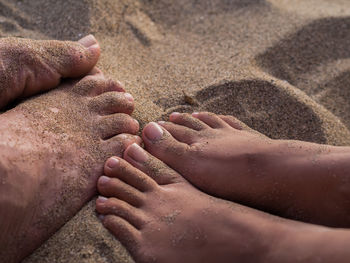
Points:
[[153, 131], [102, 199], [88, 41], [175, 114], [129, 97], [137, 153], [112, 162], [104, 179]]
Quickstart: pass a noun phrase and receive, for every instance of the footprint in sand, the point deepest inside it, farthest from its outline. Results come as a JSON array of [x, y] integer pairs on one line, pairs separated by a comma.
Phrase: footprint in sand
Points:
[[316, 59]]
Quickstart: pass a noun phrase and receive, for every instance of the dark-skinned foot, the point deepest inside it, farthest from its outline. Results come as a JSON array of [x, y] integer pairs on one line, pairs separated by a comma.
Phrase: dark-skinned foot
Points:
[[28, 67], [160, 217], [223, 157], [52, 150]]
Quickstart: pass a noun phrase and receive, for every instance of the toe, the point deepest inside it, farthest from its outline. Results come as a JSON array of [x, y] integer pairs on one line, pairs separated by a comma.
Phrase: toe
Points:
[[113, 187], [151, 166], [125, 232], [96, 84], [72, 59], [211, 119], [179, 132], [117, 144], [112, 102], [233, 122], [187, 120], [118, 168], [160, 143], [117, 207], [118, 123]]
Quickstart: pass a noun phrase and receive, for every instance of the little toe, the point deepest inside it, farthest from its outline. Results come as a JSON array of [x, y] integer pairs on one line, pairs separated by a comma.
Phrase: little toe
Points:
[[233, 122], [151, 166], [117, 207], [116, 145], [112, 102], [113, 187], [187, 120], [111, 125], [118, 168], [211, 119], [179, 132], [124, 231]]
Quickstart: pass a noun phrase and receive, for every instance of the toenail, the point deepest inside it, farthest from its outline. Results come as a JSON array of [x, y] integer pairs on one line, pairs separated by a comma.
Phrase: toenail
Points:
[[161, 122], [112, 162], [88, 41], [102, 199], [153, 131], [195, 113], [175, 114], [104, 179], [129, 97], [137, 153]]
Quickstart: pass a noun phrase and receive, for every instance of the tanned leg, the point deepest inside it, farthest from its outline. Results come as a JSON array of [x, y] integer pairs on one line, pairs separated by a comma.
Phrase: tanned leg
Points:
[[223, 157]]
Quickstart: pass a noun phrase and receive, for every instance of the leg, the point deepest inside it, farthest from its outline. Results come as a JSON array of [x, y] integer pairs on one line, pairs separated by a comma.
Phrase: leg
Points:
[[52, 149], [225, 158], [28, 67], [160, 217]]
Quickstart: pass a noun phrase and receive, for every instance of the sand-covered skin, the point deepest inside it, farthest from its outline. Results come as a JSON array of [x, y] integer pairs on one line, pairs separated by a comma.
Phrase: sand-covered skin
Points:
[[283, 68]]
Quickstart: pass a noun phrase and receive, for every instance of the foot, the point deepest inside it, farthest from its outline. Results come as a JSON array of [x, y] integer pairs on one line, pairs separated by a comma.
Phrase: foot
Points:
[[52, 150], [28, 67], [160, 217], [223, 157]]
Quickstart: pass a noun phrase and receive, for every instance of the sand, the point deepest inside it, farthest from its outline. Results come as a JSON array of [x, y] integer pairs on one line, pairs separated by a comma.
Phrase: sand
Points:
[[282, 67]]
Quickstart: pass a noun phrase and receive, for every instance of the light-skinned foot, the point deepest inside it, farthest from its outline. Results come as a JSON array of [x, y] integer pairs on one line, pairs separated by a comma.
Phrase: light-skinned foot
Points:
[[28, 67], [52, 150], [160, 217], [223, 157]]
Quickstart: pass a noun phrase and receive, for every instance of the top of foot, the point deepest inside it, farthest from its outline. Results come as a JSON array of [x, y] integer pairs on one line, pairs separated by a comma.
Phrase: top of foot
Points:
[[52, 150], [223, 157]]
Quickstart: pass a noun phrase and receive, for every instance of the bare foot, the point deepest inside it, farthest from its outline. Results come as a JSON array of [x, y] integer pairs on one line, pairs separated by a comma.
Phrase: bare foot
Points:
[[52, 150], [28, 66], [225, 158], [160, 217]]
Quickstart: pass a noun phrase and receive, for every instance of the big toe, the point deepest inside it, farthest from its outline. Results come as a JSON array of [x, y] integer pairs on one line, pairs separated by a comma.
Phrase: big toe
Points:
[[73, 59], [46, 62], [161, 144]]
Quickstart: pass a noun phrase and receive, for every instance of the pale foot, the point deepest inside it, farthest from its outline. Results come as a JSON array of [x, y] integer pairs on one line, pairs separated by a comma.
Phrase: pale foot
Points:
[[52, 150], [225, 158], [28, 67], [160, 217]]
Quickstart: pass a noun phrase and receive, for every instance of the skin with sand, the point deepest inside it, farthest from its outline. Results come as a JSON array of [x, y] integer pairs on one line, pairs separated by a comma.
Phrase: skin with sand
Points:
[[53, 146], [148, 199], [148, 203]]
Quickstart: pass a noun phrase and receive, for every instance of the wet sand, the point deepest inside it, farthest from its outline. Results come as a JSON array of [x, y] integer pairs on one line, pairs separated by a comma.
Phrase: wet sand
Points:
[[282, 67]]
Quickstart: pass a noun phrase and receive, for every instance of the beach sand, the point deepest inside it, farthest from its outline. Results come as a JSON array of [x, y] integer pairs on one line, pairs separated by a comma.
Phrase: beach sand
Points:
[[282, 67]]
